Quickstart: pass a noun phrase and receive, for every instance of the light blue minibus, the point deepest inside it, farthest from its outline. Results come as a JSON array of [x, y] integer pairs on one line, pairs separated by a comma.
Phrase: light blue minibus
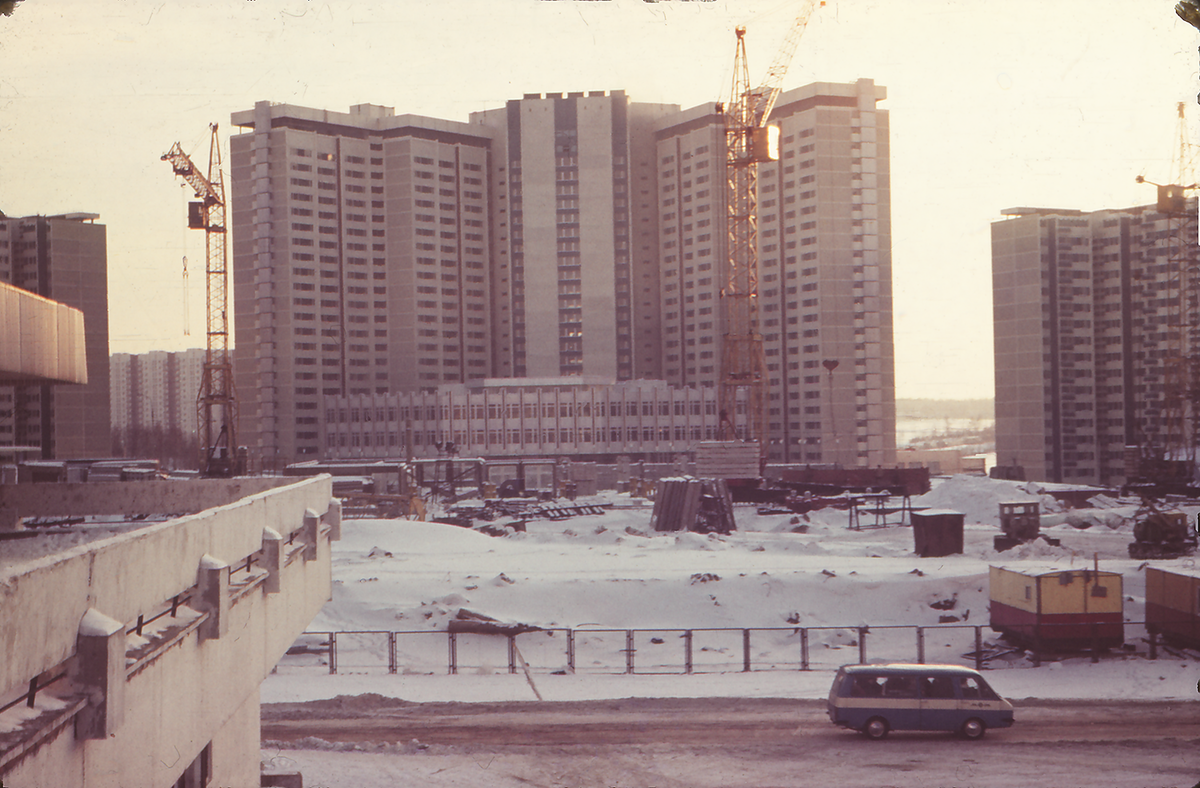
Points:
[[876, 699]]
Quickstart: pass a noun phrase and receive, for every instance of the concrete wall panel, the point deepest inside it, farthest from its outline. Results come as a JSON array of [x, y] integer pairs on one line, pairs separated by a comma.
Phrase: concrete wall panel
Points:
[[40, 340]]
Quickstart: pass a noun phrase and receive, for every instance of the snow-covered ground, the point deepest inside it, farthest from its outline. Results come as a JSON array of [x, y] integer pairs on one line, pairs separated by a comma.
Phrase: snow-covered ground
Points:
[[778, 572]]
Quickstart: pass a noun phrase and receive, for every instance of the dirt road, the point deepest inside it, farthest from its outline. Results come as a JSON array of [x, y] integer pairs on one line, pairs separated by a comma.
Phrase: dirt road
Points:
[[726, 742]]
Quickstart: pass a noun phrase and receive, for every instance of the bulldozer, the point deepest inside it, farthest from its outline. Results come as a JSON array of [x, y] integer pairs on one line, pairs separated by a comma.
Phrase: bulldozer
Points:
[[1161, 534]]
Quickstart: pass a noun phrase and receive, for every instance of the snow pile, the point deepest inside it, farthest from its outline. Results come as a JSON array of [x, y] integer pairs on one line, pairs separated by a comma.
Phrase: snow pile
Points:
[[979, 498]]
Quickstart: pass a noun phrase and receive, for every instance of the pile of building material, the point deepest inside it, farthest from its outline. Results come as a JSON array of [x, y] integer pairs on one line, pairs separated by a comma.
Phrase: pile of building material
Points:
[[727, 459], [701, 505]]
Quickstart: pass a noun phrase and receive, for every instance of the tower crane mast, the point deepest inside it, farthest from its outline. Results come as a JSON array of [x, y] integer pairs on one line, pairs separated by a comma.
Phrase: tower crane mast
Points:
[[215, 403], [1169, 432], [749, 141]]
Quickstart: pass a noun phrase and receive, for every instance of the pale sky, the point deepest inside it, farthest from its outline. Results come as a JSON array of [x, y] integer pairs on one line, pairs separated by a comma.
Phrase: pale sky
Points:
[[993, 104]]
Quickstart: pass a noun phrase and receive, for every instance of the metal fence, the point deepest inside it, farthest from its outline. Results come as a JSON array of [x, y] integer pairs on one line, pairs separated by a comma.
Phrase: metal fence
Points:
[[664, 651]]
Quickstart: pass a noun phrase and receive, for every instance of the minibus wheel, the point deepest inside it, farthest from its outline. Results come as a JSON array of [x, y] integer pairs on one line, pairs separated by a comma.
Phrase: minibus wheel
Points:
[[974, 728], [876, 728]]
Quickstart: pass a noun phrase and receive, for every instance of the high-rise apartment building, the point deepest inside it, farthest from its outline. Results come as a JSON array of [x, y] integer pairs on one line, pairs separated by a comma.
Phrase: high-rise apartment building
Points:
[[576, 234], [360, 254], [1085, 325], [63, 258], [825, 279], [155, 391], [575, 274]]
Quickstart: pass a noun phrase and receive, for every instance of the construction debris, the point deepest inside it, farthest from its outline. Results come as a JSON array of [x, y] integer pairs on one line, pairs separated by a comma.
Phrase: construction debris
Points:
[[480, 624]]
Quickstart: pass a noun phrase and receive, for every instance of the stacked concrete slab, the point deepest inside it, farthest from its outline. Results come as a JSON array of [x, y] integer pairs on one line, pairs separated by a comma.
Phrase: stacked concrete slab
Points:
[[702, 505], [727, 460]]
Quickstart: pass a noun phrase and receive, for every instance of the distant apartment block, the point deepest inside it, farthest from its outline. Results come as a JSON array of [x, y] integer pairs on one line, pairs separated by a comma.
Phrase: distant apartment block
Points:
[[577, 235], [824, 233], [63, 258], [1083, 332], [360, 255], [575, 274], [156, 390]]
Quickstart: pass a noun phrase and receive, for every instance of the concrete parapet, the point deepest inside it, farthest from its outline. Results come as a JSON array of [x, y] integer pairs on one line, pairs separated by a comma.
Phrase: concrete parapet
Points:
[[132, 573], [107, 498], [310, 532], [272, 559], [212, 583], [100, 668], [333, 518], [182, 700]]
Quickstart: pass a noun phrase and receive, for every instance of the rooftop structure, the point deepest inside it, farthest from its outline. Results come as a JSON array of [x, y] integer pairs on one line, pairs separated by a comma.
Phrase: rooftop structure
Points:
[[135, 651], [63, 258]]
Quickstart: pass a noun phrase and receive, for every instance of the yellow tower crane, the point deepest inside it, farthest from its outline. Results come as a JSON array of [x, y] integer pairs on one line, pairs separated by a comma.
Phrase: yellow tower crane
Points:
[[749, 141], [215, 403]]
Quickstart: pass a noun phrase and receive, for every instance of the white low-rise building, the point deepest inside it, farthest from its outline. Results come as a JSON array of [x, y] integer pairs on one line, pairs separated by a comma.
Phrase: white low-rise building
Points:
[[580, 418]]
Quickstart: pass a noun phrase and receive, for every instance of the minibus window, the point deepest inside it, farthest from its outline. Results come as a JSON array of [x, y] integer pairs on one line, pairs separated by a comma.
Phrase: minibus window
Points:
[[865, 687], [974, 689], [938, 687], [900, 687]]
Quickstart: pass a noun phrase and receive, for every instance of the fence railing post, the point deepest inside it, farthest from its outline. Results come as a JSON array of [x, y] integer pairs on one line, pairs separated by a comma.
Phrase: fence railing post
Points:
[[978, 648], [862, 645], [392, 666], [452, 646], [920, 645], [1154, 645], [512, 653], [571, 650], [1095, 642], [745, 651], [629, 651], [804, 649], [687, 651], [333, 652]]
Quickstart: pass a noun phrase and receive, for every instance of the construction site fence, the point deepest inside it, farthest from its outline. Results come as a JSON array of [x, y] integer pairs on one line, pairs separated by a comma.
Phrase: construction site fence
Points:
[[686, 651]]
